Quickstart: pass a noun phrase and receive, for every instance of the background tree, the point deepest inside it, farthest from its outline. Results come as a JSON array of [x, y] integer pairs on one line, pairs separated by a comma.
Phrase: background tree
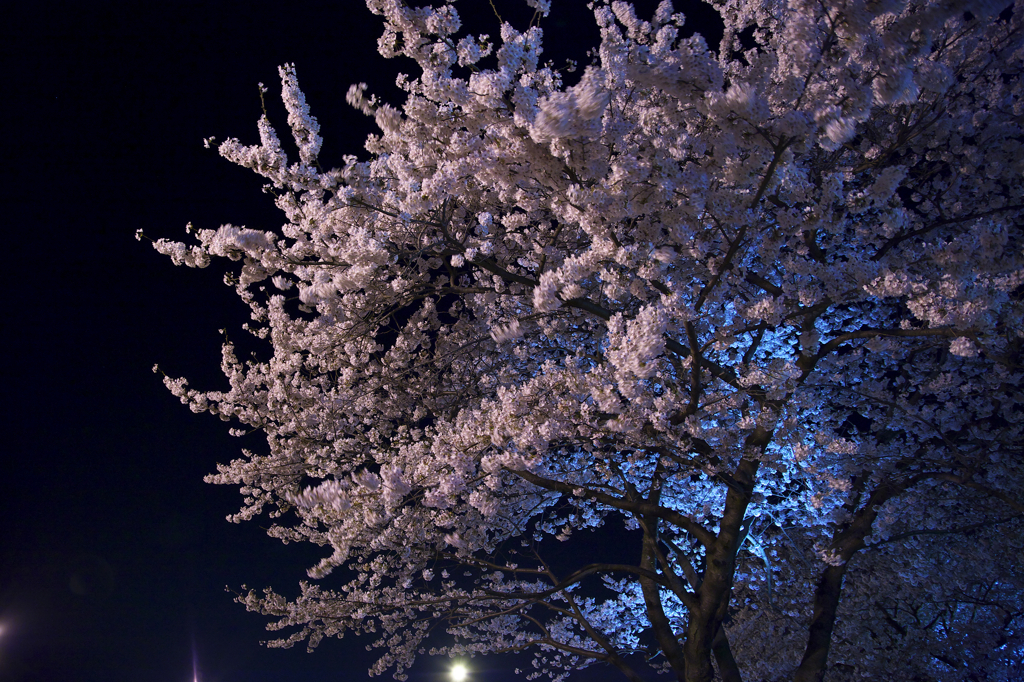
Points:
[[742, 328]]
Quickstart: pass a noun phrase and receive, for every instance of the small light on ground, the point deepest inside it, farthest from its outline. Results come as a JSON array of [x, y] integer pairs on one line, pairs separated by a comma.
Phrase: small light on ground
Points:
[[459, 673]]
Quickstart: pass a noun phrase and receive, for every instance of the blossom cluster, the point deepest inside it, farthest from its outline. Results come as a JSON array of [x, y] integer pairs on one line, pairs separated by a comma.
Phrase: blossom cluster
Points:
[[739, 324]]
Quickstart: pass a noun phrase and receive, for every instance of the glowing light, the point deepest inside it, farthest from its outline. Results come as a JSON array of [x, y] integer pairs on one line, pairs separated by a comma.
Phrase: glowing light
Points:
[[459, 673]]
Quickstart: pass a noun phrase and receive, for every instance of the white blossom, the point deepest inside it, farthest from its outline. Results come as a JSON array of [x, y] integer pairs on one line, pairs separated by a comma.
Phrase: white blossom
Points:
[[742, 324], [963, 347]]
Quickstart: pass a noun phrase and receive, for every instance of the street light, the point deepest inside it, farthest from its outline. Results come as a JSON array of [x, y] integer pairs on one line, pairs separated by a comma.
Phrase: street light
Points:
[[459, 673]]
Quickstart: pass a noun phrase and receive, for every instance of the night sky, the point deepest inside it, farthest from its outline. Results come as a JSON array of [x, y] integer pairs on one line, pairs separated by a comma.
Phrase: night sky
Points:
[[114, 555]]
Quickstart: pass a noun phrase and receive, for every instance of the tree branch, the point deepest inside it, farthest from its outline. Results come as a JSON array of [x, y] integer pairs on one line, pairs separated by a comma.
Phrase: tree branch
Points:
[[637, 507]]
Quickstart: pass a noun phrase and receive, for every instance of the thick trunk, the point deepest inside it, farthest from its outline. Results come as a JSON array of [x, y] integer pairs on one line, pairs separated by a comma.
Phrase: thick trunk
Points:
[[698, 655], [705, 623], [719, 568], [819, 641], [727, 667], [846, 542], [698, 663]]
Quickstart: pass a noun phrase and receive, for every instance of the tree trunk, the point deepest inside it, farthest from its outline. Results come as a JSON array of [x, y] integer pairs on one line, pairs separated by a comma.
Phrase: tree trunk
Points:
[[846, 541], [719, 568], [727, 666], [660, 623], [819, 641]]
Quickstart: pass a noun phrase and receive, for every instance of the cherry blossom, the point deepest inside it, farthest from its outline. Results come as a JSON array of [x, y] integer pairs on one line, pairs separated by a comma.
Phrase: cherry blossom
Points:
[[708, 362]]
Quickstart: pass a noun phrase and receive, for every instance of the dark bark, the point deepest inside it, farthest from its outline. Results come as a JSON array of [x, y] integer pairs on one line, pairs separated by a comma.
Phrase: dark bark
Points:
[[663, 632], [819, 640], [727, 666], [847, 541], [719, 569]]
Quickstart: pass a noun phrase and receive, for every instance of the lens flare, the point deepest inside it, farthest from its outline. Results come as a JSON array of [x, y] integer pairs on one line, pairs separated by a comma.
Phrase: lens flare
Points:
[[459, 673], [195, 661]]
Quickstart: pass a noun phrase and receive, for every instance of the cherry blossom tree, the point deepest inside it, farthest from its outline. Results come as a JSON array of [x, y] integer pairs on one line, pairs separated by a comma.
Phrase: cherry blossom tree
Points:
[[707, 362]]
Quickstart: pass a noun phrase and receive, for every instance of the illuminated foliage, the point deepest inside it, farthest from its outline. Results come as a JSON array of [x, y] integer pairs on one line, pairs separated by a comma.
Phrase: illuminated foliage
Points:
[[742, 327]]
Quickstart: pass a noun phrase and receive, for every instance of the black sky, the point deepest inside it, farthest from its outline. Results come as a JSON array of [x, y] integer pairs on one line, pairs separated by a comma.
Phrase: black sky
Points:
[[114, 554]]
